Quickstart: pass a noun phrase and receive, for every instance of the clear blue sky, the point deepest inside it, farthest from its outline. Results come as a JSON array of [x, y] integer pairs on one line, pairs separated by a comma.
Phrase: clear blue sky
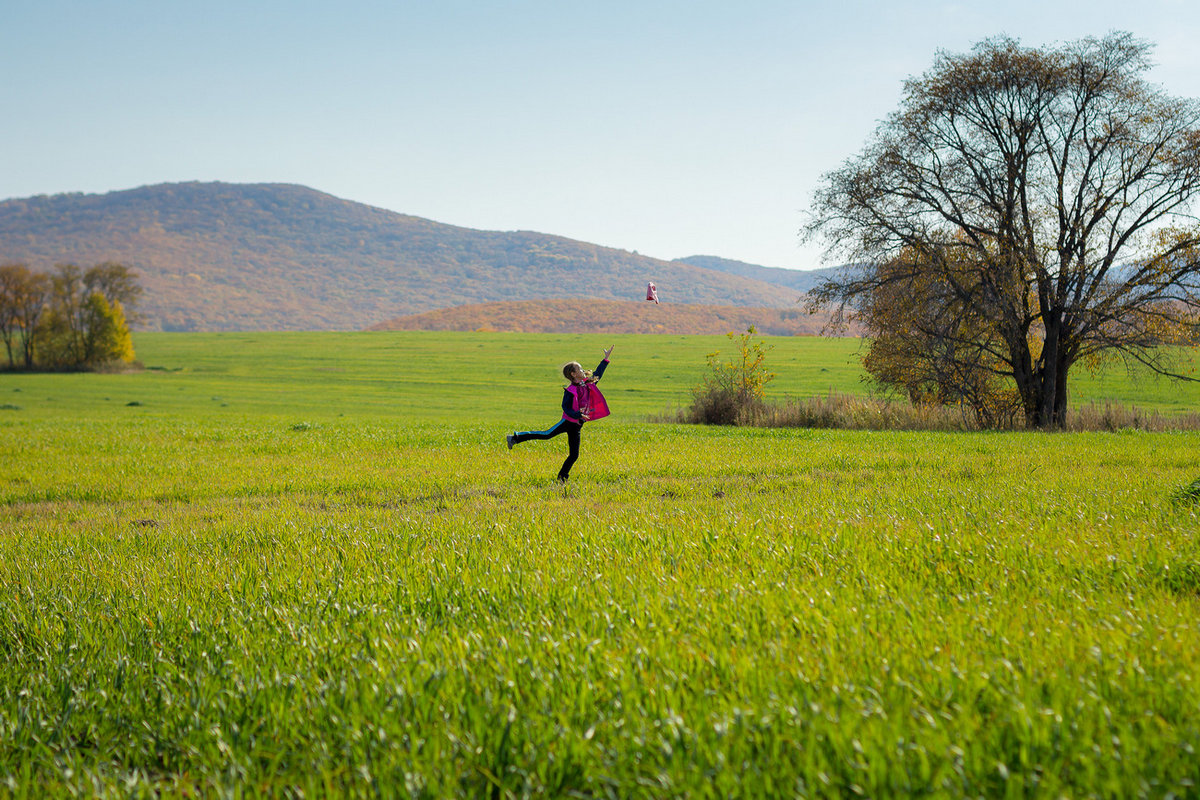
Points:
[[670, 128]]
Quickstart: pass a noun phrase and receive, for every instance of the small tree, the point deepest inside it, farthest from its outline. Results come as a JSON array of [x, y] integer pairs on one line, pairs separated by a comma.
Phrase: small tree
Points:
[[61, 331], [54, 342], [32, 303], [13, 278], [107, 338], [118, 284], [732, 390], [22, 298]]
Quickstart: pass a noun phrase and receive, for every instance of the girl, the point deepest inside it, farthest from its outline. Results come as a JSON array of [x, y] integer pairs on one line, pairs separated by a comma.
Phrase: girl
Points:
[[581, 401]]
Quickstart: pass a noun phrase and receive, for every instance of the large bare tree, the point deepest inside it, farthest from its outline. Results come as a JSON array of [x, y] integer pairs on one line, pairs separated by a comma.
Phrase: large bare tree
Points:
[[1036, 198]]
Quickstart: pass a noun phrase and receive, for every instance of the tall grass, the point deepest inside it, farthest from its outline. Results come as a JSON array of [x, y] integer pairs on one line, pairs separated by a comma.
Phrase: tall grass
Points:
[[198, 600], [857, 412]]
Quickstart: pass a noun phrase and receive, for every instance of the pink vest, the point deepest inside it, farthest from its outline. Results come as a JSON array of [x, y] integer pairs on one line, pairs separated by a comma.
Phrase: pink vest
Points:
[[588, 400]]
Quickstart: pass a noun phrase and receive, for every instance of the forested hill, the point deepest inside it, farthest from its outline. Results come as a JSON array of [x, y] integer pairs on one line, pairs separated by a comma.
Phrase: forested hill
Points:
[[798, 280], [218, 256]]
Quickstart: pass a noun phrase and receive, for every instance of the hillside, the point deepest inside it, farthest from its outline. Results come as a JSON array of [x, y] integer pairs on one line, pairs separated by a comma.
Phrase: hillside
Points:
[[217, 256], [608, 316]]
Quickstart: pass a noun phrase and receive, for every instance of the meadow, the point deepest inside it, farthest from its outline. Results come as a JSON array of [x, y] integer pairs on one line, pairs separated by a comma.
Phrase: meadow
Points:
[[306, 564]]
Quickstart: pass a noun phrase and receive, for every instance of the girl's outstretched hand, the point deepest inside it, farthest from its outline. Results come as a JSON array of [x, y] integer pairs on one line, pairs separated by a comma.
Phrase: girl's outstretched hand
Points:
[[608, 352]]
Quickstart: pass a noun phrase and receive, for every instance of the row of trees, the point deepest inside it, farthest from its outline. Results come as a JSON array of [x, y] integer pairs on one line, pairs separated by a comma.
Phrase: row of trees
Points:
[[1024, 211], [69, 318]]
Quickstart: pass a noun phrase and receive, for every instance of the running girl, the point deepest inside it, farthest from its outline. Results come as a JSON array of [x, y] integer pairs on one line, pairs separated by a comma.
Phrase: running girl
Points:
[[581, 402]]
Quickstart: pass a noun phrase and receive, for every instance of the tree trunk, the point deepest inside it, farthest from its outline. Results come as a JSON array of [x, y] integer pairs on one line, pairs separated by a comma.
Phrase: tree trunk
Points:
[[1028, 379], [27, 346], [1060, 397], [1053, 377]]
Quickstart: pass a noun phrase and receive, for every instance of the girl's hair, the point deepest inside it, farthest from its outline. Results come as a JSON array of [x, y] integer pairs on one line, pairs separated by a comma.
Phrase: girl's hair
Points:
[[570, 367]]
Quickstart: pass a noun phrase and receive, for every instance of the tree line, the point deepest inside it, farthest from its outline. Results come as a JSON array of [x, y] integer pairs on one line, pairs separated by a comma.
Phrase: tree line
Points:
[[68, 318]]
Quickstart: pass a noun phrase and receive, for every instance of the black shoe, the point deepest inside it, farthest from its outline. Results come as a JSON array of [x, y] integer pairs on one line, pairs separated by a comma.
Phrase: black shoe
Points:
[[511, 439]]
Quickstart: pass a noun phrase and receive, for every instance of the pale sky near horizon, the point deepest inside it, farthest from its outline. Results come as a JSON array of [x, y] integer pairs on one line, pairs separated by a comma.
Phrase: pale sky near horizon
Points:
[[669, 128]]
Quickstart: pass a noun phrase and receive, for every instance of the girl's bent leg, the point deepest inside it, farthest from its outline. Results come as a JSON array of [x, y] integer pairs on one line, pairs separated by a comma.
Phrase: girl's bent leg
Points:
[[549, 433]]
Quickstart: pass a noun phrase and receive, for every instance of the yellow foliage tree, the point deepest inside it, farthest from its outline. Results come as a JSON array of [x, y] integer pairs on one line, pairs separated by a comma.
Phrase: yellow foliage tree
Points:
[[107, 338]]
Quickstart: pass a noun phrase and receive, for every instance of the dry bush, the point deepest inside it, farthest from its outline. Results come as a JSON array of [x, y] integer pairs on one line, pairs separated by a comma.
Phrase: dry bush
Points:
[[852, 412], [732, 390], [713, 405], [1109, 417], [855, 412]]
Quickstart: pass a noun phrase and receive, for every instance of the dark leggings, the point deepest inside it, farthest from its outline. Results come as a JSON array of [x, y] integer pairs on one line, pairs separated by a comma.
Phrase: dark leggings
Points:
[[571, 429]]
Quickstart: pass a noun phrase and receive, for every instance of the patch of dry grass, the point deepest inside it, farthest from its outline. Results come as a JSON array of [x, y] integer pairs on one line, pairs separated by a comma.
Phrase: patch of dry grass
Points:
[[854, 412]]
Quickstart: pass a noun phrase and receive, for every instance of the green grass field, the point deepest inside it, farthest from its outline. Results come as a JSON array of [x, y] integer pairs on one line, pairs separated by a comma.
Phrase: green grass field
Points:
[[306, 564], [484, 377]]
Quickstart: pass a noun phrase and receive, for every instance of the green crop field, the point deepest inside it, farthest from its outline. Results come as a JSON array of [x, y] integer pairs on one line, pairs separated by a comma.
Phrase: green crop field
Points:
[[306, 564], [494, 377]]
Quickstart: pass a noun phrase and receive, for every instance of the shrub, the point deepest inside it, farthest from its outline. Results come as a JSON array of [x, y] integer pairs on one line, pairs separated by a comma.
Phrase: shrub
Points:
[[732, 390]]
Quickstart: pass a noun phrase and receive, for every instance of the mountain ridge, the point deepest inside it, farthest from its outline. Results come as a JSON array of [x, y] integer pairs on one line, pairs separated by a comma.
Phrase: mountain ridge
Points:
[[277, 256], [797, 279]]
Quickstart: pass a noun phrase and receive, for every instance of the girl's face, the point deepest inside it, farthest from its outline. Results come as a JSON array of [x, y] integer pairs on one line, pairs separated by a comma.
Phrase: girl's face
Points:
[[577, 375]]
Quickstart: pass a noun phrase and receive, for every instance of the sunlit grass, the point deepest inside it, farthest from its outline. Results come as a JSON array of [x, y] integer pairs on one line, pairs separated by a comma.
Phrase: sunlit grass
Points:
[[454, 376], [267, 598]]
